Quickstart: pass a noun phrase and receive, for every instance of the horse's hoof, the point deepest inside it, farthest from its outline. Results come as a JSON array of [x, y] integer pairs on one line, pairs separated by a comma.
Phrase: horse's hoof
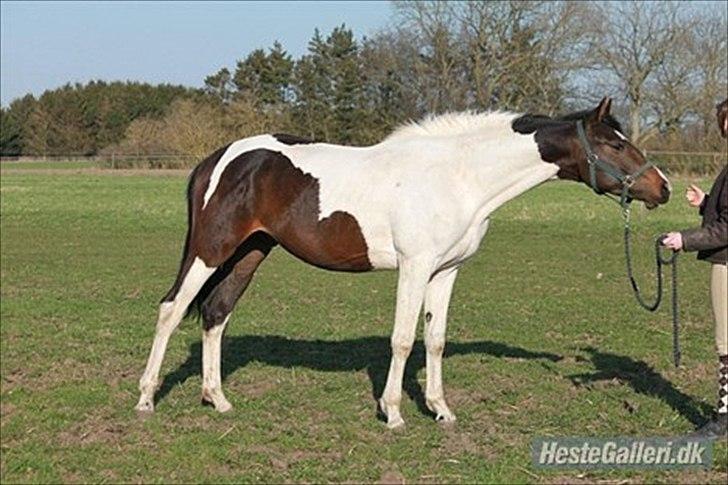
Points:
[[394, 419], [144, 412], [216, 400], [443, 415], [396, 424], [223, 407], [145, 406], [446, 420]]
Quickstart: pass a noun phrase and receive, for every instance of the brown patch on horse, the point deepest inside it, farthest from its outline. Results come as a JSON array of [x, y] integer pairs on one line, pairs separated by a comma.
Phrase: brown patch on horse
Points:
[[261, 190], [292, 139], [198, 182], [558, 143], [217, 298]]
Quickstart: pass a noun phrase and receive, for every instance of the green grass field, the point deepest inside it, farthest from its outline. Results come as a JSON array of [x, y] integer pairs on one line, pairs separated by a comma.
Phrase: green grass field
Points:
[[544, 340], [46, 165]]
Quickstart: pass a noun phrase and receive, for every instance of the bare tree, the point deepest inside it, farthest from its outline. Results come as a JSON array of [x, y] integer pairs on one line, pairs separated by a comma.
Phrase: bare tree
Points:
[[439, 63], [521, 54], [709, 55], [192, 128], [515, 55], [667, 57]]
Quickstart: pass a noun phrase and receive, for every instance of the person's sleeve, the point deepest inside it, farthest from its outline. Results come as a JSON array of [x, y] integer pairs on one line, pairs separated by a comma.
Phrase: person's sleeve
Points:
[[710, 236], [701, 209]]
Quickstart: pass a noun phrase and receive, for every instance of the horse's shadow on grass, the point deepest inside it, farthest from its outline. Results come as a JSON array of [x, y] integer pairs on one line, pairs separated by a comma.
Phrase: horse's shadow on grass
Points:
[[370, 353], [373, 354], [643, 379]]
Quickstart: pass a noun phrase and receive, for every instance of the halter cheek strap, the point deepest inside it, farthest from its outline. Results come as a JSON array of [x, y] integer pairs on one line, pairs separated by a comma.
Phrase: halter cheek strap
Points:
[[627, 180]]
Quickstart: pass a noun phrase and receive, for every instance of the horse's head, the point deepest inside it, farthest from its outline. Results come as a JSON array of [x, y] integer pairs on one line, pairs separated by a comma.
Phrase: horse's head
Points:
[[603, 158]]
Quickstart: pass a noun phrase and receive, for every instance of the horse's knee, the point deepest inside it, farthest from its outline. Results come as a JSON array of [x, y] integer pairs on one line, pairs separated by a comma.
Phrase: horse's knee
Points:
[[401, 347], [435, 343], [165, 319], [213, 314], [165, 309]]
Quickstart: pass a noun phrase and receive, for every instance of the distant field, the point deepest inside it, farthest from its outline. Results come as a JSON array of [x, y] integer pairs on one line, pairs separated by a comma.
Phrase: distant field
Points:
[[544, 340], [44, 165]]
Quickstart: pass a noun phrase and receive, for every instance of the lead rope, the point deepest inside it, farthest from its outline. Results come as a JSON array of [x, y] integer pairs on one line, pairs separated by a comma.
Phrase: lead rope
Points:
[[627, 180], [660, 261]]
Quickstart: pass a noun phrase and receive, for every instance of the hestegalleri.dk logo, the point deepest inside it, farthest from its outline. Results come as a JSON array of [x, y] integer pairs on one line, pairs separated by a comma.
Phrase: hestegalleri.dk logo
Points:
[[622, 452]]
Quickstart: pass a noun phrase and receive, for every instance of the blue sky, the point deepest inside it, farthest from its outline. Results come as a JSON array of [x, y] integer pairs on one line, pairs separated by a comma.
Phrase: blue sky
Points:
[[47, 44]]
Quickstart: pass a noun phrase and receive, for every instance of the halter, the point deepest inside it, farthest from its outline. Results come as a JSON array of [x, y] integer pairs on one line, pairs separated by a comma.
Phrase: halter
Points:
[[627, 180]]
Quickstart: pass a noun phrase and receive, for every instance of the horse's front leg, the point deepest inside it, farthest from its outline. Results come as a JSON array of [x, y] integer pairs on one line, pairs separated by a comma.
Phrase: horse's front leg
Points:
[[437, 300], [413, 277]]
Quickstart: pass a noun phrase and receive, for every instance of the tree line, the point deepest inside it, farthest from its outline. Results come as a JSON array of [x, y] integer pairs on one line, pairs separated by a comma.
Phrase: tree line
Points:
[[82, 118], [665, 64]]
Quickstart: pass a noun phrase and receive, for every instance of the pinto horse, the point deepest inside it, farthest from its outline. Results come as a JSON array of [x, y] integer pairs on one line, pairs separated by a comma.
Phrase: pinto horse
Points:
[[419, 202]]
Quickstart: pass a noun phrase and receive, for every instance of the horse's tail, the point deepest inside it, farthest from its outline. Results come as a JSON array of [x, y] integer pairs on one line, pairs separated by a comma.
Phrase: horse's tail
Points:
[[187, 258], [195, 188]]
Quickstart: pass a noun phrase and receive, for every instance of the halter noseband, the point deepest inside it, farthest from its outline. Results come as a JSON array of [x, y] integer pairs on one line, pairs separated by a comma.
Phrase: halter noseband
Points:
[[627, 180]]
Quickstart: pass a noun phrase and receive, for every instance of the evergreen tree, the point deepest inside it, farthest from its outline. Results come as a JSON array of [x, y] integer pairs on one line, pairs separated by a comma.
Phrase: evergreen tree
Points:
[[329, 88], [220, 85], [82, 119], [265, 77], [347, 80], [36, 132], [10, 134], [313, 109]]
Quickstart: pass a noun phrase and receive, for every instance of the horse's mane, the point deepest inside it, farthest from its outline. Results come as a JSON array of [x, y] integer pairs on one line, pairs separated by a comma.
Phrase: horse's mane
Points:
[[529, 123], [452, 124], [608, 120]]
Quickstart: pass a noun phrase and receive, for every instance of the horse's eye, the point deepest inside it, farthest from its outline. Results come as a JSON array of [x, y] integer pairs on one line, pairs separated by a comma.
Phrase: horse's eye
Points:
[[619, 146]]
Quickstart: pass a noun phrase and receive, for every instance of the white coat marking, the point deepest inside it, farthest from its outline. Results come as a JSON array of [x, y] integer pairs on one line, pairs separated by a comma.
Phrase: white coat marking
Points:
[[467, 165], [170, 315], [659, 172], [664, 178]]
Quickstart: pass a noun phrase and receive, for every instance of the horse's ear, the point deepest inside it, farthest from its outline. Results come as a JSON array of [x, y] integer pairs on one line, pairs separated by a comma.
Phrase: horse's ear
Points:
[[601, 111]]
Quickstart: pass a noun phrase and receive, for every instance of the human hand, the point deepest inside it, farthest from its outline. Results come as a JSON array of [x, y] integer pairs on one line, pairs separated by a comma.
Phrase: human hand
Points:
[[673, 240], [694, 195]]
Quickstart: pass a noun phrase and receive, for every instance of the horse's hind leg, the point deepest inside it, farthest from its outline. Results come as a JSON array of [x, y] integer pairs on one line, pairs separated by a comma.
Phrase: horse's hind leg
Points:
[[227, 287], [170, 315]]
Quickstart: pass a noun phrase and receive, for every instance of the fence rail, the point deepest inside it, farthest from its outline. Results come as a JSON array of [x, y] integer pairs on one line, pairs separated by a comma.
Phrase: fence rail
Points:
[[676, 162], [693, 163], [113, 160]]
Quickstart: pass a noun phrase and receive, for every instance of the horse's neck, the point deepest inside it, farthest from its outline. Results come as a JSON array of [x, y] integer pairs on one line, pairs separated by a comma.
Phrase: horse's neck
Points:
[[501, 170]]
